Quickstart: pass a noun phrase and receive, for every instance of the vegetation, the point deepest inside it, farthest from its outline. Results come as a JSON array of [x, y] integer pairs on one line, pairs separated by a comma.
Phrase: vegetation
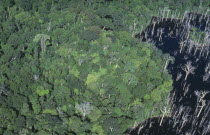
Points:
[[74, 67], [197, 36]]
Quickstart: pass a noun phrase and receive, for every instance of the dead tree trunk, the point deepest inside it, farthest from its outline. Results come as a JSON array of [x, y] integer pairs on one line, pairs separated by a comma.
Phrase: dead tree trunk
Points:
[[189, 69]]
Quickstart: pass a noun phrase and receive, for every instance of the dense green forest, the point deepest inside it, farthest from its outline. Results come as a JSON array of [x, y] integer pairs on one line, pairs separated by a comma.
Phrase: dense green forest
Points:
[[74, 67]]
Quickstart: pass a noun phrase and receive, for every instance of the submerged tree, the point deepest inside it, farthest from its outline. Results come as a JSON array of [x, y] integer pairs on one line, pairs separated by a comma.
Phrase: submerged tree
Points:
[[189, 69], [168, 59], [182, 45], [200, 101], [165, 112]]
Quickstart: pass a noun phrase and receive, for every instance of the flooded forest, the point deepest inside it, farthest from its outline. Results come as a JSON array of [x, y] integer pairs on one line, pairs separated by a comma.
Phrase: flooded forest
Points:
[[104, 67], [189, 64]]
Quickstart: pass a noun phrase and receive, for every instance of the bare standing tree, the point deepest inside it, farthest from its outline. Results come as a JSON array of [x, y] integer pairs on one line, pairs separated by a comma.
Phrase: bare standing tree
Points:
[[153, 28], [161, 31], [139, 130], [42, 38], [134, 28], [190, 46], [165, 111], [179, 75], [184, 121], [189, 69], [203, 103], [185, 13], [200, 95], [168, 59], [182, 44], [186, 89]]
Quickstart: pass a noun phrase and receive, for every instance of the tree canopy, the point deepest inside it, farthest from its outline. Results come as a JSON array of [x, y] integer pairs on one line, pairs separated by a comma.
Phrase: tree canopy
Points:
[[74, 67]]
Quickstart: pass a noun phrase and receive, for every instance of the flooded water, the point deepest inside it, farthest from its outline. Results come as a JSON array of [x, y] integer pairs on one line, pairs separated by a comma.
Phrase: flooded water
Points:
[[190, 98]]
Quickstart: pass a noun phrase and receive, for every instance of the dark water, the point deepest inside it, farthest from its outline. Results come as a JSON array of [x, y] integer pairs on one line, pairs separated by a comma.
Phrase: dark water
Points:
[[184, 118]]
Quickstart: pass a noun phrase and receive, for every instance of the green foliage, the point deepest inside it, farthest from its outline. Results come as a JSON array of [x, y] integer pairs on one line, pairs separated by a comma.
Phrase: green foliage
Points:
[[74, 124], [42, 92], [94, 77], [197, 36], [95, 114], [35, 104], [118, 111], [97, 129], [50, 111]]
